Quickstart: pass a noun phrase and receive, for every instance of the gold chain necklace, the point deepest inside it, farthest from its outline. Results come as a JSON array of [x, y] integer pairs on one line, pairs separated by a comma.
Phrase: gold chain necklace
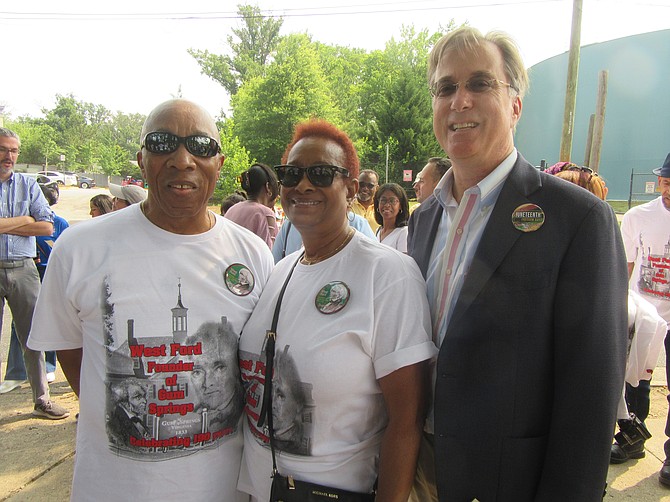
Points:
[[318, 259]]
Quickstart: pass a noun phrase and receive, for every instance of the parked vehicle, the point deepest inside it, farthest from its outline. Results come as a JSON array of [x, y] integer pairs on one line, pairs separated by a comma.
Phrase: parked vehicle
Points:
[[70, 178], [59, 177], [85, 181], [44, 181], [129, 180]]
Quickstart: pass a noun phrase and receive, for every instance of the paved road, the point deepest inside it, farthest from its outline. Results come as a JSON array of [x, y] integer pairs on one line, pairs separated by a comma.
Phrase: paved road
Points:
[[73, 204]]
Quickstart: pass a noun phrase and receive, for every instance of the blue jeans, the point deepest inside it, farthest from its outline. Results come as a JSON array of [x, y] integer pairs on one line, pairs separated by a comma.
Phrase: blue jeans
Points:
[[16, 368]]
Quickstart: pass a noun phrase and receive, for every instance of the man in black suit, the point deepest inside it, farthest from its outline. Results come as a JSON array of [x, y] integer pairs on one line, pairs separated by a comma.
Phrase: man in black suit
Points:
[[527, 283]]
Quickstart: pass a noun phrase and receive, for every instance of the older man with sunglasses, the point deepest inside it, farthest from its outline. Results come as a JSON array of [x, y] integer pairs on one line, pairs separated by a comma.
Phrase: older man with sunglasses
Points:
[[526, 280], [121, 300]]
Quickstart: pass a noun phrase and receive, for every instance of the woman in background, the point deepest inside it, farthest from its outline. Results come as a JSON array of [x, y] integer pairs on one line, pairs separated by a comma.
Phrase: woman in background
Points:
[[100, 204], [256, 213], [230, 201], [392, 213]]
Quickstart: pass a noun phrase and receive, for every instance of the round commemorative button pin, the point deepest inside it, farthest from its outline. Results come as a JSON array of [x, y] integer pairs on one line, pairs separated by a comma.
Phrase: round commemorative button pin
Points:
[[332, 298], [528, 217], [239, 279]]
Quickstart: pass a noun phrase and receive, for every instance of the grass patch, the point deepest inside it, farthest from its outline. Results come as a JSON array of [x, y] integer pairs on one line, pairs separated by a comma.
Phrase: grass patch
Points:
[[621, 206]]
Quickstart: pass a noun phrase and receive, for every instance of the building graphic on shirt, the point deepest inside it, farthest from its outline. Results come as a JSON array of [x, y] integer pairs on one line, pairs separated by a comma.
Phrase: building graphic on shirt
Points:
[[179, 320], [173, 414], [654, 276]]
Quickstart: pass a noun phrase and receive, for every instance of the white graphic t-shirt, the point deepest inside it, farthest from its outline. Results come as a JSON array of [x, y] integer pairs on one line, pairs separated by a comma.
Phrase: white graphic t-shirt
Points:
[[646, 235], [344, 324], [158, 316]]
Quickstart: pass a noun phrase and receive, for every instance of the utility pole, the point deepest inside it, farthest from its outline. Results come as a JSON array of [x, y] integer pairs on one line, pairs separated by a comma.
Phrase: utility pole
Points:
[[589, 140], [571, 87], [599, 122], [387, 162]]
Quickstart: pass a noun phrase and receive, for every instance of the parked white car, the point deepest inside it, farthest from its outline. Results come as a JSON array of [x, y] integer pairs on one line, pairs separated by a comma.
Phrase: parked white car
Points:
[[60, 178]]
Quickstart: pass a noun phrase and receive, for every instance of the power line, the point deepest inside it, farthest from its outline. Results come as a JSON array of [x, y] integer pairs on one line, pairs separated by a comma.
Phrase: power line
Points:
[[323, 11], [369, 8]]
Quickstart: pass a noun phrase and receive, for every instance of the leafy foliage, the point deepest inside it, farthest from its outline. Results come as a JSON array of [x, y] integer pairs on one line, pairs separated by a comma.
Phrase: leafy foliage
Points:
[[89, 136], [293, 89], [256, 41], [396, 105], [237, 161], [380, 98]]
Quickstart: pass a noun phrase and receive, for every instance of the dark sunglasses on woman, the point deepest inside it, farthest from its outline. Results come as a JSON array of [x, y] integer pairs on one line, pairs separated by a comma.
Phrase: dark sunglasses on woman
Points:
[[319, 175], [162, 143]]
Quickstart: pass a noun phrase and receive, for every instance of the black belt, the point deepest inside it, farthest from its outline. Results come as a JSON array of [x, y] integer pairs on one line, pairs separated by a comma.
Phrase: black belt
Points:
[[13, 263]]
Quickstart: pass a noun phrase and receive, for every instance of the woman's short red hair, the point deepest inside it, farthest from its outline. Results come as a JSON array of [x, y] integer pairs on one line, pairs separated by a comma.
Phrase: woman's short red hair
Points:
[[323, 129]]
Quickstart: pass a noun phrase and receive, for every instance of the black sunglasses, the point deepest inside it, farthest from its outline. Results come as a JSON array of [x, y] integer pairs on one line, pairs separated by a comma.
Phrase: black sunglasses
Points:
[[319, 175], [163, 143]]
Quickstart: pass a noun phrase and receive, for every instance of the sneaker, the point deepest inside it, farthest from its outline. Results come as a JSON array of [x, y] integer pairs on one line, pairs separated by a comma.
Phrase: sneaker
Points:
[[51, 377], [50, 410], [10, 385]]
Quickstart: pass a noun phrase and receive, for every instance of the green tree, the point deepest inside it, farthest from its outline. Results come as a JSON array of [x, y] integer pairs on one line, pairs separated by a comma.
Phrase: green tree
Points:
[[294, 89], [77, 125], [342, 68], [119, 141], [38, 144], [396, 105], [237, 161], [256, 40]]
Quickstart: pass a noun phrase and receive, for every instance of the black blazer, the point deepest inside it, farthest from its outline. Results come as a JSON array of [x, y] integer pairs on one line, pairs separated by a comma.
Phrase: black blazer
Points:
[[532, 364]]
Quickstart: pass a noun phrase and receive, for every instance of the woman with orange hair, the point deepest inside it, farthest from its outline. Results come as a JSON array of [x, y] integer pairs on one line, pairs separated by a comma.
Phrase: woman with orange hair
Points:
[[354, 326]]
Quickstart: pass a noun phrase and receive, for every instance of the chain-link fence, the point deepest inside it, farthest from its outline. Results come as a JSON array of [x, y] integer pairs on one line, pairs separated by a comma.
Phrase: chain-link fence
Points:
[[642, 188]]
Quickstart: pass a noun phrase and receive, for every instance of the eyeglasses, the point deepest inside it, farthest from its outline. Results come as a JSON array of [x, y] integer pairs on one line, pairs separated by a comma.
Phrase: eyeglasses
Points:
[[586, 174], [575, 167], [391, 201], [365, 184], [12, 151], [320, 175], [163, 143], [477, 85]]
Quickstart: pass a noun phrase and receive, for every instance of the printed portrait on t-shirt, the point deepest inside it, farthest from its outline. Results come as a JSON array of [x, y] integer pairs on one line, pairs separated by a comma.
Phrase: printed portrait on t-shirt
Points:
[[215, 378], [169, 392], [288, 404], [292, 403], [128, 416]]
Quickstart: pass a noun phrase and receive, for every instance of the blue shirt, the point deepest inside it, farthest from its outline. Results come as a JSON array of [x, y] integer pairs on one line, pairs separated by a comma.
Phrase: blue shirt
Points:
[[289, 239], [46, 242], [21, 196]]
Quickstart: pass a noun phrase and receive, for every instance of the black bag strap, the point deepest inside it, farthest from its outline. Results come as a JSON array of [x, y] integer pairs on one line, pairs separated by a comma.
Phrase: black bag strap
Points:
[[270, 339]]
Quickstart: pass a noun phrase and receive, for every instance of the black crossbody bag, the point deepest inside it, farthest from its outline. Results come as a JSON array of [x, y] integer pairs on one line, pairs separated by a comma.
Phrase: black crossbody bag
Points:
[[285, 488]]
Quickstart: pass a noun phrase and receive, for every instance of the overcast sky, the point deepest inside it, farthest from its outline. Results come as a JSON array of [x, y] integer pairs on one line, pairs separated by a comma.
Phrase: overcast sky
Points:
[[131, 55]]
